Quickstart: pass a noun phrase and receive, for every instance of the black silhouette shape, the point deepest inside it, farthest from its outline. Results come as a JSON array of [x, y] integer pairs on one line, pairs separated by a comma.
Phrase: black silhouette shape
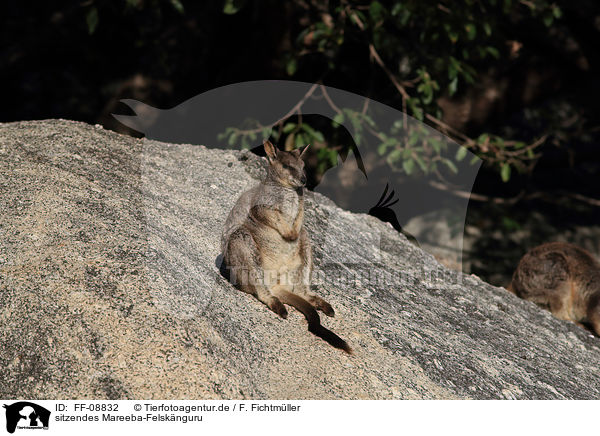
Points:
[[361, 171], [383, 211], [13, 415]]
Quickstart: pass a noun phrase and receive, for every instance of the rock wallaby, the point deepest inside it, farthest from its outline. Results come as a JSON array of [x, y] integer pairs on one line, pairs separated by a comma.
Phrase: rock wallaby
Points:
[[562, 278], [266, 249]]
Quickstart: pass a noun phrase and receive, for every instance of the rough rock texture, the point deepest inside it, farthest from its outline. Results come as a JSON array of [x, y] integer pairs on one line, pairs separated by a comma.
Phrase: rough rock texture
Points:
[[109, 288]]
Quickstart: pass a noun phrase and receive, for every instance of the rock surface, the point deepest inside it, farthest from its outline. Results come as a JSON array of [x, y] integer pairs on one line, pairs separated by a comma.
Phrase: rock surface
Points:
[[109, 288]]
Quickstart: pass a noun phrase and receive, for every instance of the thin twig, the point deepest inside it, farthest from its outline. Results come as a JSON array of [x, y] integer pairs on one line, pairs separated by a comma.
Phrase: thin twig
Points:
[[550, 196], [329, 100], [291, 112], [365, 106]]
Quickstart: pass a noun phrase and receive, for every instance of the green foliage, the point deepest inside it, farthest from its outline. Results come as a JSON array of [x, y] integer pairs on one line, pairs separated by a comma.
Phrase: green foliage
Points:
[[292, 135], [431, 49], [91, 19], [178, 6], [420, 51], [231, 7]]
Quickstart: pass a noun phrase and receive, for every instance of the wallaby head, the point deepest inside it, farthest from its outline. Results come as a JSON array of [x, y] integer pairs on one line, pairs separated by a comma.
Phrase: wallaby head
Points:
[[563, 278], [286, 167]]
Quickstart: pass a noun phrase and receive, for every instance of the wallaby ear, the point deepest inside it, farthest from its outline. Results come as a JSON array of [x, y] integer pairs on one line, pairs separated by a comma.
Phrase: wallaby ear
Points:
[[304, 150], [270, 150]]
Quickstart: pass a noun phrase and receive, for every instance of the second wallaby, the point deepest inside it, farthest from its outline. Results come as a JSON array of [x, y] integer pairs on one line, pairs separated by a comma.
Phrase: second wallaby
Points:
[[562, 278], [266, 249]]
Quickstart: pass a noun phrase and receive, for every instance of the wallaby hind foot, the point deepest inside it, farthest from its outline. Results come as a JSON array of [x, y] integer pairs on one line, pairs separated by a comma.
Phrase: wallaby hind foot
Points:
[[314, 322], [320, 304]]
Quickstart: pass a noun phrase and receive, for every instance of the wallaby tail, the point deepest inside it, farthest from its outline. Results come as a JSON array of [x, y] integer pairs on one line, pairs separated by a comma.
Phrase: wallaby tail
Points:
[[314, 322]]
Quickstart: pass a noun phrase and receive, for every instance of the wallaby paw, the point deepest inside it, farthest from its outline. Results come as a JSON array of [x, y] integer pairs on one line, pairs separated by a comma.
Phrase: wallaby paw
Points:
[[290, 236], [277, 306], [322, 305]]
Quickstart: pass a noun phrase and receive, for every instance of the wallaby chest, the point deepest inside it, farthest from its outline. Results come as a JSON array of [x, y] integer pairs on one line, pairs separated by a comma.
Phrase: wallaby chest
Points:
[[278, 253], [285, 201]]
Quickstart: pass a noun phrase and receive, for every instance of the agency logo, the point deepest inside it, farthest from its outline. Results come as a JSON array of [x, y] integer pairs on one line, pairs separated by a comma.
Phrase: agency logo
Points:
[[391, 166], [26, 415]]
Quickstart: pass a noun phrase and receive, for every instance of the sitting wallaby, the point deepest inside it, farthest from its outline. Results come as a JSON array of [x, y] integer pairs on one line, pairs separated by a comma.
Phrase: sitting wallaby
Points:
[[266, 249], [563, 278]]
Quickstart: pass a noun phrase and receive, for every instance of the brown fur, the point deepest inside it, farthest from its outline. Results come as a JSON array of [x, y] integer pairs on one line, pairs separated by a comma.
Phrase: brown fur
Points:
[[266, 249], [562, 278]]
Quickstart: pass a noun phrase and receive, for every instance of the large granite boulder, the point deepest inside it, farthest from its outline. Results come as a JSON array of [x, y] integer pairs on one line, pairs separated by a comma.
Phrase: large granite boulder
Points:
[[110, 288]]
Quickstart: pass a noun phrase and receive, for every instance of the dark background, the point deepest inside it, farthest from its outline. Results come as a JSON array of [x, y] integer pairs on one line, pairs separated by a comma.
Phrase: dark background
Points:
[[77, 59]]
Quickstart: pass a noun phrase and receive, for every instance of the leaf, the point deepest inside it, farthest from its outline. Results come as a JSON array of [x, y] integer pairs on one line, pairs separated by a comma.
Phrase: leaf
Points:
[[413, 138], [178, 6], [556, 11], [92, 20], [418, 113], [421, 163], [450, 165], [288, 127], [408, 166], [436, 144], [468, 77], [471, 31], [510, 224], [394, 155], [487, 29], [397, 8], [452, 86], [333, 159], [265, 132], [461, 153], [360, 15], [291, 67], [289, 142], [300, 142], [338, 118], [453, 68], [505, 172], [307, 128], [453, 36], [369, 120], [357, 138], [312, 132], [376, 11], [233, 6], [428, 91], [493, 51], [405, 17]]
